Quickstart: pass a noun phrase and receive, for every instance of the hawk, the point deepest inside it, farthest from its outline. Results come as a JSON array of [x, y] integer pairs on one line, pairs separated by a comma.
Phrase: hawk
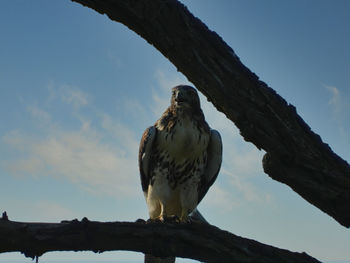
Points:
[[179, 158]]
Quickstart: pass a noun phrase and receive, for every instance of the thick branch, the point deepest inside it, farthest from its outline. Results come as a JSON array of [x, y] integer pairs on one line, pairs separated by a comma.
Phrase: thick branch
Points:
[[197, 241], [295, 155]]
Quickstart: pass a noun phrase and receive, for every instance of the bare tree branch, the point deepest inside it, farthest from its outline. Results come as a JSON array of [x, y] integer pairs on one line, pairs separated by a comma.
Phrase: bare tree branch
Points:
[[295, 155], [197, 241]]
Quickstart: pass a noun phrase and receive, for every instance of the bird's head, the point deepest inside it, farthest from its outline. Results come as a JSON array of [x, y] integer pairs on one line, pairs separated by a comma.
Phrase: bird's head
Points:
[[185, 97]]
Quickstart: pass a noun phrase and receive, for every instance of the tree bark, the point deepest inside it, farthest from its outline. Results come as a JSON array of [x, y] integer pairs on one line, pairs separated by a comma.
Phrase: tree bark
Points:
[[196, 241], [295, 155]]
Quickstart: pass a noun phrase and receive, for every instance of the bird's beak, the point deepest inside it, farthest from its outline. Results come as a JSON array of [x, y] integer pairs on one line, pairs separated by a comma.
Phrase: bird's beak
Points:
[[179, 98]]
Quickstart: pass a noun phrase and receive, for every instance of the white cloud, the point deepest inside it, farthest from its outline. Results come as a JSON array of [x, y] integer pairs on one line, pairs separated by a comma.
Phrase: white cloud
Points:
[[42, 210], [136, 110], [41, 115], [49, 211], [74, 96], [218, 197], [340, 109], [248, 191], [29, 165], [167, 81], [335, 99], [83, 155], [217, 120], [123, 134], [78, 156], [243, 159]]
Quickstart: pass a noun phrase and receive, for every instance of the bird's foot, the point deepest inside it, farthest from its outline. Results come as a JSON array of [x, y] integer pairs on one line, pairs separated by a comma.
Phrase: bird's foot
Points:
[[158, 219], [188, 220], [171, 219], [165, 219]]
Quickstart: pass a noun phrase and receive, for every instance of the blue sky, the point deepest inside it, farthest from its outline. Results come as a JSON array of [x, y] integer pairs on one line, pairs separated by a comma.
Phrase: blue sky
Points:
[[77, 91]]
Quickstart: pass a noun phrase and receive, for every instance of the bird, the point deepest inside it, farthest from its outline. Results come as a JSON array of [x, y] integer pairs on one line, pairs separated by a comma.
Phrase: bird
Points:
[[179, 159]]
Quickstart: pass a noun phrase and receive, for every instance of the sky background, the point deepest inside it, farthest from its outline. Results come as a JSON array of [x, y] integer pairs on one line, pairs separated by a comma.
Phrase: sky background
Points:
[[77, 91]]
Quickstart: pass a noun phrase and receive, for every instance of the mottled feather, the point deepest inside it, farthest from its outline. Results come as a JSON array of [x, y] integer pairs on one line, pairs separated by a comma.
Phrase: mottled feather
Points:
[[179, 159]]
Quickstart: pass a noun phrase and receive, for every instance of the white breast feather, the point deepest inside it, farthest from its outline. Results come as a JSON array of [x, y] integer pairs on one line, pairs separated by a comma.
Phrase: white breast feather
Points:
[[186, 143]]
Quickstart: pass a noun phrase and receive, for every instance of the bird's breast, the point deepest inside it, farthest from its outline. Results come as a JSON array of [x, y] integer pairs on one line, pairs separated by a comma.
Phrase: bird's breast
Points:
[[185, 140]]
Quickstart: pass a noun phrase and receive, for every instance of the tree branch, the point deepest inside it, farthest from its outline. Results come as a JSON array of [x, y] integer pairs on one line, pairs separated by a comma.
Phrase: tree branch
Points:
[[196, 241], [295, 155]]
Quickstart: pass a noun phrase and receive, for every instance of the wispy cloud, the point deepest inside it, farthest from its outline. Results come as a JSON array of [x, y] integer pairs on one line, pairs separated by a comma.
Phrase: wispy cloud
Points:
[[335, 100], [49, 211], [340, 108], [166, 80], [247, 190], [40, 114], [74, 96], [81, 154], [218, 197], [42, 210], [123, 134]]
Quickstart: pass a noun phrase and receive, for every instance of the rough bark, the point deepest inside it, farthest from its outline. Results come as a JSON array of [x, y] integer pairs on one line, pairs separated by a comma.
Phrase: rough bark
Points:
[[196, 241], [295, 155]]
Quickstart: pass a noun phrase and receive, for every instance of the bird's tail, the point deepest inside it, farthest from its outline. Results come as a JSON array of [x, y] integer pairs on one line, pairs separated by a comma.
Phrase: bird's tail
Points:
[[196, 215]]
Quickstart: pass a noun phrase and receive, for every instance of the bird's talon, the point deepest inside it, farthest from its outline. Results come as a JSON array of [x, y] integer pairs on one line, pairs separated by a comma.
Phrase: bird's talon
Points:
[[172, 219], [158, 219]]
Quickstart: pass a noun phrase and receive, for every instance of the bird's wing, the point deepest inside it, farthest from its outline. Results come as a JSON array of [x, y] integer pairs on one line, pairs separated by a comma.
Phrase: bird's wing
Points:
[[145, 152], [214, 155]]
